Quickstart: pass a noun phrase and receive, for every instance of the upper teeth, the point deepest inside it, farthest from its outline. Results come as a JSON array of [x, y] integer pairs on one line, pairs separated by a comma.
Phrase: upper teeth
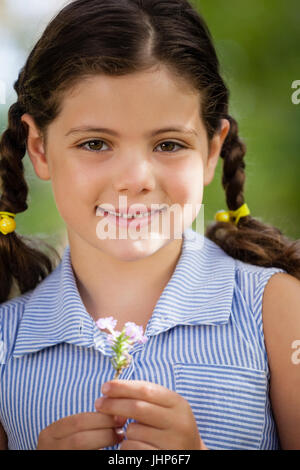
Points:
[[126, 216]]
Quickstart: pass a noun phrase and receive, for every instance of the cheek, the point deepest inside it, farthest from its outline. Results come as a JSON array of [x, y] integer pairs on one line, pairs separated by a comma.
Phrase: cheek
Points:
[[75, 187], [186, 188], [72, 177], [187, 182]]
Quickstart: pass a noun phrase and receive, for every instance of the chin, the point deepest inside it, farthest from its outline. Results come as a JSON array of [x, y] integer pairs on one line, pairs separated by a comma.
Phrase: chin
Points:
[[131, 250]]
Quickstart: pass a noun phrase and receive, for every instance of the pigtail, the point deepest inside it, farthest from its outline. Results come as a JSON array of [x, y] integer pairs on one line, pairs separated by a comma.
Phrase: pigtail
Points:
[[251, 241], [22, 266]]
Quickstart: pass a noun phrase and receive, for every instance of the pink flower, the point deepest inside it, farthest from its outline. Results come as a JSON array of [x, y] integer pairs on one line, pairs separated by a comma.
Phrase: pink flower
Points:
[[121, 342], [135, 333], [107, 323], [112, 338]]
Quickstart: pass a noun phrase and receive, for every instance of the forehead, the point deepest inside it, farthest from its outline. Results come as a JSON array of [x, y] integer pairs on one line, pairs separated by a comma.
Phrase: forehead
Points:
[[130, 101]]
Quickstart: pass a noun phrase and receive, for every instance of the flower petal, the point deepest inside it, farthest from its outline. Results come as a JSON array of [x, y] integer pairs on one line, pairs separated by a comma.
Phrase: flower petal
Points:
[[108, 323]]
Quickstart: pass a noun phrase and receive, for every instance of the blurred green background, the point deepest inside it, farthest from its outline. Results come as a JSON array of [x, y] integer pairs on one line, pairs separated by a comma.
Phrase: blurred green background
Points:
[[258, 44]]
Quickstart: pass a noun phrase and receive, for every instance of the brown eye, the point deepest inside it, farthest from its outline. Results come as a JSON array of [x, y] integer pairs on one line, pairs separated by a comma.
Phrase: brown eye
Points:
[[93, 145], [169, 145]]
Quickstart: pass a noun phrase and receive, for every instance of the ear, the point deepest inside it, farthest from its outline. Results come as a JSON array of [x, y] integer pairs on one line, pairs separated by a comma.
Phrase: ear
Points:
[[215, 149], [36, 148]]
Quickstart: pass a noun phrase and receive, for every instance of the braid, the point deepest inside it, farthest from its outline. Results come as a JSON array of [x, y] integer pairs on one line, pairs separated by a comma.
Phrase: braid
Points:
[[20, 264], [233, 179], [12, 151], [251, 241]]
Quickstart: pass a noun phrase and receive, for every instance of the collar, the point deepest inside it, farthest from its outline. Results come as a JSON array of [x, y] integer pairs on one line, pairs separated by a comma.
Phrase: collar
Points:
[[199, 292]]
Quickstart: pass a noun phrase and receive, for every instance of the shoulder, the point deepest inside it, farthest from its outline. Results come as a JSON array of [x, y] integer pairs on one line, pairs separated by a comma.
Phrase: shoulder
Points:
[[252, 281], [11, 313], [259, 274], [249, 281], [13, 308], [281, 314], [282, 296], [281, 320]]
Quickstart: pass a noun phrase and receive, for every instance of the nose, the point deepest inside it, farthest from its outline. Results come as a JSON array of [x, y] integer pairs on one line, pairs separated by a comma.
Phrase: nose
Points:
[[135, 173]]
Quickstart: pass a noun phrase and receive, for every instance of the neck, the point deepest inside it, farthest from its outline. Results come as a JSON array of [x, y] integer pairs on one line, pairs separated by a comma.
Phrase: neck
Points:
[[128, 291]]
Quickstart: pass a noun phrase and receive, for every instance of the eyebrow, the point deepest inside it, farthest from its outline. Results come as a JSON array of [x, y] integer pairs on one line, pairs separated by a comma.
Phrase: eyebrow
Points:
[[105, 130]]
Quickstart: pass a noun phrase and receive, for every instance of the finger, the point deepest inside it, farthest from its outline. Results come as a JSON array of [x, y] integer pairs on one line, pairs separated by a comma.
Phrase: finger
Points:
[[159, 439], [136, 445], [89, 440], [80, 422], [146, 434], [120, 420], [141, 390], [142, 411]]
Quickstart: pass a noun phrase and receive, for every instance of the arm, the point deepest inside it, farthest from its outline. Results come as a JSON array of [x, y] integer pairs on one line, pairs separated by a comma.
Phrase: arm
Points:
[[3, 439], [281, 324]]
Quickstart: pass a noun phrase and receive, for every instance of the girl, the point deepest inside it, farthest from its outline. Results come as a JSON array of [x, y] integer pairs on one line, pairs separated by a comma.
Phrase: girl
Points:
[[123, 99]]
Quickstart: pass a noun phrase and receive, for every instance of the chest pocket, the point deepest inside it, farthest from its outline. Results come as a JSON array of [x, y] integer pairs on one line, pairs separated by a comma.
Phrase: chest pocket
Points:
[[228, 403]]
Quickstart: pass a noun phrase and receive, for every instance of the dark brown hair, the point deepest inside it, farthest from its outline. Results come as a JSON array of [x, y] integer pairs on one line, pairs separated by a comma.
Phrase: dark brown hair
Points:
[[118, 37]]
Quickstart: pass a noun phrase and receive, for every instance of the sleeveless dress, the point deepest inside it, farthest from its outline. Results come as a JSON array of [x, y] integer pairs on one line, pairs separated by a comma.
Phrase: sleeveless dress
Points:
[[205, 342]]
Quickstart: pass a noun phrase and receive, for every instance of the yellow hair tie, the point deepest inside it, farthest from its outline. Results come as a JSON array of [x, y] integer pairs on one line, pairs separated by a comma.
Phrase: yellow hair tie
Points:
[[7, 222], [228, 216]]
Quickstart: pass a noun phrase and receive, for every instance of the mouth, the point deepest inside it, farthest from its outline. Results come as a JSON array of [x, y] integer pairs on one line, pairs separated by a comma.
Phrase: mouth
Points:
[[125, 220], [127, 215]]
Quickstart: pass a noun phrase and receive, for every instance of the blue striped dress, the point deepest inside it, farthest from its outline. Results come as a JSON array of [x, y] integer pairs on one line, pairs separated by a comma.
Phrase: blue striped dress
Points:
[[205, 342]]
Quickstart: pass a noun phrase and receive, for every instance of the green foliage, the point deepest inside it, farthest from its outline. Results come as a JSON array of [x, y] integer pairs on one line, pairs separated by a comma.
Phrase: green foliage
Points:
[[257, 42]]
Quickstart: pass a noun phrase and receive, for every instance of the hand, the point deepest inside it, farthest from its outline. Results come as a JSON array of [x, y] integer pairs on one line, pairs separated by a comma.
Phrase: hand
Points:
[[164, 418], [82, 431]]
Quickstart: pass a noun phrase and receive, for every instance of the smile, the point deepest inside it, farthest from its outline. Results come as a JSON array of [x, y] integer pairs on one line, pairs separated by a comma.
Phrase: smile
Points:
[[126, 216], [126, 220]]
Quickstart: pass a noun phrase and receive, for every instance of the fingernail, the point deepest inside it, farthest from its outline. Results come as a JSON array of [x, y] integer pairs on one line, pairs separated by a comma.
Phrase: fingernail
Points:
[[99, 402], [105, 388], [119, 431], [119, 419]]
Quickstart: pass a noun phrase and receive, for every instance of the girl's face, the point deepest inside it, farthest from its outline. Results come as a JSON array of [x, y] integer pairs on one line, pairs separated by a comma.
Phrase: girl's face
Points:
[[90, 167]]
